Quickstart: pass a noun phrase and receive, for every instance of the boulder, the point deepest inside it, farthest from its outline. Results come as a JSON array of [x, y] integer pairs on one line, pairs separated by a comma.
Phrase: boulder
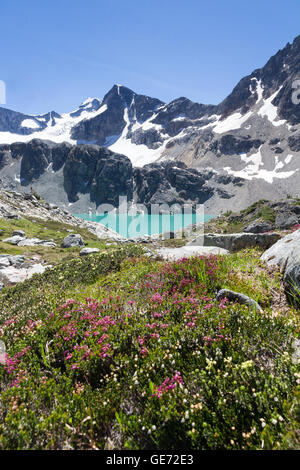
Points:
[[4, 262], [13, 275], [15, 240], [284, 251], [188, 251], [88, 251], [36, 241], [72, 240], [21, 233], [286, 254], [238, 297], [258, 226], [236, 241], [17, 260], [10, 260], [286, 220]]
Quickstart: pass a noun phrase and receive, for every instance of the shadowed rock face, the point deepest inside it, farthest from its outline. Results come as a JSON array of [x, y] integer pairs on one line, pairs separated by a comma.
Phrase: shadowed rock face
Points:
[[230, 145], [109, 125], [99, 172], [102, 176], [36, 158]]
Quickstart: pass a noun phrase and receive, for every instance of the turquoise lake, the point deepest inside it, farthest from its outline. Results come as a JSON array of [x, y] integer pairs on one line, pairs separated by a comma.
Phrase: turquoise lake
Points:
[[131, 226]]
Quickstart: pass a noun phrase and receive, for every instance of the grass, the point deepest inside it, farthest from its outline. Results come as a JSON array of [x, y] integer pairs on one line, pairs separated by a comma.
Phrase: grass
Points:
[[46, 230], [119, 351], [231, 222]]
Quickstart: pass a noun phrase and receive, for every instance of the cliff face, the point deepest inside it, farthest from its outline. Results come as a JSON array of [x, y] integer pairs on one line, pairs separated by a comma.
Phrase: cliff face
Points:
[[82, 177]]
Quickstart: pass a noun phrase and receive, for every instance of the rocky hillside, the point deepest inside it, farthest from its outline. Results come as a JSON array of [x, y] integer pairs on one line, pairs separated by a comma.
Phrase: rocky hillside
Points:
[[253, 135], [261, 217], [16, 206]]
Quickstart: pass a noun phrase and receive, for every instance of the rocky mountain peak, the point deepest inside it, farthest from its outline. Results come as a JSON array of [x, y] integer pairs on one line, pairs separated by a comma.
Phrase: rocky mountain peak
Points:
[[278, 76]]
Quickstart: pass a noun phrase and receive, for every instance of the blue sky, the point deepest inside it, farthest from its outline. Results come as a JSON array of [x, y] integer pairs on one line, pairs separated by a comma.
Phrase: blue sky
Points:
[[55, 54]]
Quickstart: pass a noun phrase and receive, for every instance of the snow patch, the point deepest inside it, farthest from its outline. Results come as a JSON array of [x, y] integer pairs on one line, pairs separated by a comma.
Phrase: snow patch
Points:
[[270, 111], [288, 159], [253, 169], [139, 155], [232, 122], [30, 124]]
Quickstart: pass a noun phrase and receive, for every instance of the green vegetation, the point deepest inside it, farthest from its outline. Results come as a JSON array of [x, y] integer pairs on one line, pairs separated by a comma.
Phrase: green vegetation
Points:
[[46, 230], [231, 222], [119, 351]]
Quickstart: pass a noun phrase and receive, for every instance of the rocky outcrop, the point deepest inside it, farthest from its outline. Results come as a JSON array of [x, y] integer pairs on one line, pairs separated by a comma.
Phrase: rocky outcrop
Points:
[[188, 251], [175, 183], [230, 145], [286, 254], [12, 275], [258, 226], [36, 158], [19, 238], [14, 269], [16, 205], [236, 241], [286, 220]]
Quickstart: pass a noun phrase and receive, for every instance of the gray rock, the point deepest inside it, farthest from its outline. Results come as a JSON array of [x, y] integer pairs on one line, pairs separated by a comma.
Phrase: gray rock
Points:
[[12, 275], [36, 241], [72, 240], [15, 240], [88, 251], [291, 280], [21, 233], [11, 260], [188, 251], [4, 262], [296, 351], [238, 297], [284, 251], [286, 254], [258, 226], [286, 220], [236, 241], [17, 260], [13, 216]]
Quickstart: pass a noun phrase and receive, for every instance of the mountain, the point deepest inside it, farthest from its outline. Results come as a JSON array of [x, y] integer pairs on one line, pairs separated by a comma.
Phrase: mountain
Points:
[[252, 137], [125, 122]]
